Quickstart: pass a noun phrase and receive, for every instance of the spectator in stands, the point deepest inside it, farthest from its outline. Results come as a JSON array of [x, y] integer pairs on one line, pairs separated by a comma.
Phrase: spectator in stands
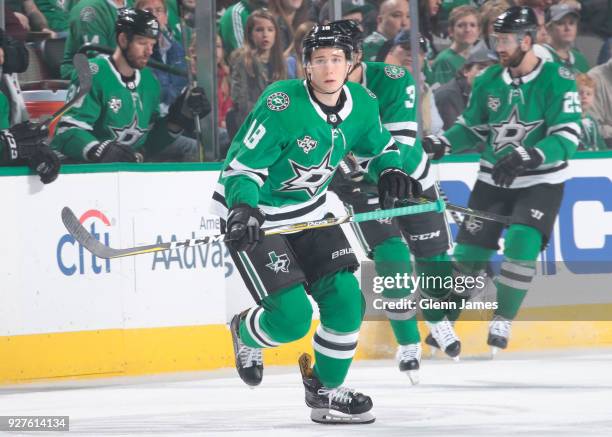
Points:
[[30, 16], [351, 10], [91, 21], [14, 58], [233, 21], [602, 76], [562, 27], [393, 16], [452, 97], [257, 64], [397, 52], [56, 13], [489, 12], [289, 15], [428, 23], [590, 137], [464, 30], [224, 96], [168, 51], [294, 62]]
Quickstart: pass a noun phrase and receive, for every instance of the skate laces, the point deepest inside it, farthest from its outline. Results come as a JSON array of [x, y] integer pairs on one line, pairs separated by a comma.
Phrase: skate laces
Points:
[[443, 333], [409, 352], [341, 395], [500, 326], [249, 355]]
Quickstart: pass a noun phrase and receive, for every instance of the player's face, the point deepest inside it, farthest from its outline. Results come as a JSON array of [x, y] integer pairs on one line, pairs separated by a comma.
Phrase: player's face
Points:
[[587, 96], [328, 68], [263, 34], [394, 17], [466, 30], [139, 51], [507, 47], [565, 30]]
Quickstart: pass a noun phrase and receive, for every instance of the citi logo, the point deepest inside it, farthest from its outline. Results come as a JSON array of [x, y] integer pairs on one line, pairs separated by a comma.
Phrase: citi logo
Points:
[[72, 258]]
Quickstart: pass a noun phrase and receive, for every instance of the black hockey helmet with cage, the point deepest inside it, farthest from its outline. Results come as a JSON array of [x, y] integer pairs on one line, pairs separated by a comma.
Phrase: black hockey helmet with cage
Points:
[[136, 22], [519, 20], [353, 30], [326, 35]]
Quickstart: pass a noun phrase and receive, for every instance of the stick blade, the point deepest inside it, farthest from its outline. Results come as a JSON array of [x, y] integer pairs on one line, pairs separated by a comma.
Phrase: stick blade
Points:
[[85, 239], [81, 67]]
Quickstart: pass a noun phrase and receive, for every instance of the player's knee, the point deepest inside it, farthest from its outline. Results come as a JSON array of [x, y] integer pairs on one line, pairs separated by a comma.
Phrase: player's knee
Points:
[[468, 258], [344, 304], [522, 243], [392, 256], [292, 313]]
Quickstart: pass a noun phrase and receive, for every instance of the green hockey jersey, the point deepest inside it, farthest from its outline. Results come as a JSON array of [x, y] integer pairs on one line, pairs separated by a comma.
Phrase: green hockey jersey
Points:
[[286, 152], [590, 138], [91, 21], [395, 90], [541, 109], [576, 62], [56, 13], [232, 26], [113, 110]]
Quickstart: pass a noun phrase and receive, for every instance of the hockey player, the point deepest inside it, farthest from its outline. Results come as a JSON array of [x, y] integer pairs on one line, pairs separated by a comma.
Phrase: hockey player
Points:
[[23, 144], [527, 112], [427, 234], [277, 172], [118, 119]]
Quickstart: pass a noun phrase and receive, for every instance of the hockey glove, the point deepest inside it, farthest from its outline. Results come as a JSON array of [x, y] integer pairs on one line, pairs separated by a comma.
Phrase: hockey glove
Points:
[[244, 227], [514, 164], [192, 102], [111, 151], [435, 146], [393, 185], [24, 144]]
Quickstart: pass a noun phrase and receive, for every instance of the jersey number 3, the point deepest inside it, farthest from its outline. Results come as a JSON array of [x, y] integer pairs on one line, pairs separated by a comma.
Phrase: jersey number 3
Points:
[[254, 135], [409, 102]]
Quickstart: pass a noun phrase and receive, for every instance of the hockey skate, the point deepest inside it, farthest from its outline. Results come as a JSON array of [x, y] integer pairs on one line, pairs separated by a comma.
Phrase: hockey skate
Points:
[[499, 332], [249, 361], [409, 360], [332, 406], [443, 334]]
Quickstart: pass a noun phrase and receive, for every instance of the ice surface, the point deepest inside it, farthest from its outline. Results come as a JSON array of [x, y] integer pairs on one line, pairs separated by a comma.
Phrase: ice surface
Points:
[[568, 393]]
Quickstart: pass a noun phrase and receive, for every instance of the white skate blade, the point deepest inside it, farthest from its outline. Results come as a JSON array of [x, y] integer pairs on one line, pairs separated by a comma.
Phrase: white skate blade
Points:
[[456, 359], [414, 376], [333, 417], [432, 351], [494, 351]]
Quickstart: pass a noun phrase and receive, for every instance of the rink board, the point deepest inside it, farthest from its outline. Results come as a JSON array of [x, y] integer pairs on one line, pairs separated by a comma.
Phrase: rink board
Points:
[[64, 313]]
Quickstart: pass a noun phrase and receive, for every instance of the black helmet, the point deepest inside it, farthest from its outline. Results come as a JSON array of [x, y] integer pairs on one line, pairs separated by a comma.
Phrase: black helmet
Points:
[[327, 35], [136, 22], [517, 19], [353, 30]]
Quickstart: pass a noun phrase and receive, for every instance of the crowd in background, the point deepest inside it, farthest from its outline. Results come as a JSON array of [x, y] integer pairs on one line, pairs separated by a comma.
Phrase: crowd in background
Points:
[[259, 42]]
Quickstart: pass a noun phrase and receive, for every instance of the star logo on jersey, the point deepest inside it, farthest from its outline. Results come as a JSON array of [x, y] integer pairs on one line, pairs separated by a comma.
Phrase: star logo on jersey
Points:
[[307, 143], [309, 179], [566, 73], [114, 104], [512, 132], [394, 72], [278, 263], [278, 101], [128, 135]]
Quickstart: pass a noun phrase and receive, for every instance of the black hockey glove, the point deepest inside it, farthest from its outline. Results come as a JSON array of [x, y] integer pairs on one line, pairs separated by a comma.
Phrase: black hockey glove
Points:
[[111, 151], [514, 164], [190, 103], [394, 184], [244, 227], [24, 144], [435, 146]]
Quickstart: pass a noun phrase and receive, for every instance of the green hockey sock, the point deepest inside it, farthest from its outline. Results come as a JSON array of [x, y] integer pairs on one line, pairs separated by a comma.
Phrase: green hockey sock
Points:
[[435, 273]]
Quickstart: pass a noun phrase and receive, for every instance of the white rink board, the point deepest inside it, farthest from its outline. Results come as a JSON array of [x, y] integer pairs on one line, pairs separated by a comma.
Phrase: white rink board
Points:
[[49, 285]]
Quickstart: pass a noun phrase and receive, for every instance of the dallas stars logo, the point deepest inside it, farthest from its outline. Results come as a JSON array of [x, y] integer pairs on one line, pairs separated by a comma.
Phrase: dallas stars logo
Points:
[[307, 143], [512, 132], [278, 263], [309, 179], [128, 135]]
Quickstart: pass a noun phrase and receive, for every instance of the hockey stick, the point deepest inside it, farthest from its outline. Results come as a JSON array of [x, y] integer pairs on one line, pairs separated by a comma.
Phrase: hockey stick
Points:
[[88, 241], [81, 66], [504, 219]]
